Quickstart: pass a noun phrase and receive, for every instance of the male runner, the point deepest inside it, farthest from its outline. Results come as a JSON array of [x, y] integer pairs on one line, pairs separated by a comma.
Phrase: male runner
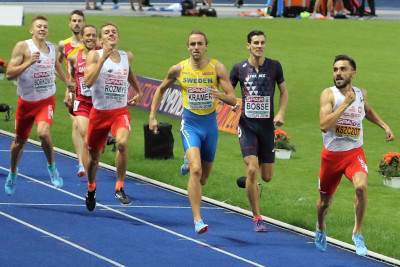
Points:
[[68, 48], [200, 78], [343, 108], [257, 76], [33, 63], [108, 73]]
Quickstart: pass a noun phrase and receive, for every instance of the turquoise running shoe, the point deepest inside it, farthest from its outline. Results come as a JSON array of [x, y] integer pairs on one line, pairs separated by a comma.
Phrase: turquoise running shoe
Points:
[[81, 171], [10, 185], [184, 171], [55, 177], [320, 240], [358, 240], [200, 227], [115, 6]]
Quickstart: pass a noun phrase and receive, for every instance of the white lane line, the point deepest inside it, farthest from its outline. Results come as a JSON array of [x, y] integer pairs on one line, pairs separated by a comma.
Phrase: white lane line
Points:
[[116, 206], [25, 151], [142, 221], [61, 239]]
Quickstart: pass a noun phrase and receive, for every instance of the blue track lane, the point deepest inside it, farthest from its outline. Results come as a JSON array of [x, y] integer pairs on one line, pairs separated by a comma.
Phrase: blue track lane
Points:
[[44, 226]]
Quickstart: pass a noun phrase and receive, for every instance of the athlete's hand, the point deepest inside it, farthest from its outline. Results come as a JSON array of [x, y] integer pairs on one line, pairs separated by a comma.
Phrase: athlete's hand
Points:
[[107, 50], [135, 100], [35, 57], [153, 125], [350, 97], [71, 87], [235, 107], [215, 93], [389, 135], [68, 100], [278, 120]]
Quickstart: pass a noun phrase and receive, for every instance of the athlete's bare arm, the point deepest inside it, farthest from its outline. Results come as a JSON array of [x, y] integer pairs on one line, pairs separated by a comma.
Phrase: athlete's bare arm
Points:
[[21, 59], [133, 81], [61, 51], [172, 76], [94, 64], [283, 101], [228, 96], [372, 116], [328, 117]]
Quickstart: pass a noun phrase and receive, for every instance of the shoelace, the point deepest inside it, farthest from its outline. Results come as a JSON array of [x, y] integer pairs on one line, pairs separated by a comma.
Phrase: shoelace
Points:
[[359, 241]]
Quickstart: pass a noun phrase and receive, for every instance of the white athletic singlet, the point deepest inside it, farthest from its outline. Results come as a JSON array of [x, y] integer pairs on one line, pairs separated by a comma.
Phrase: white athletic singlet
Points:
[[110, 91], [347, 134], [37, 81]]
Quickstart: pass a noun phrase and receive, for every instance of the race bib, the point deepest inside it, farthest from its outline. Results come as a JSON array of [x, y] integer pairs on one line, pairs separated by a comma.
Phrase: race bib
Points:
[[85, 91], [76, 105], [199, 98], [347, 128], [43, 81], [257, 107], [115, 89]]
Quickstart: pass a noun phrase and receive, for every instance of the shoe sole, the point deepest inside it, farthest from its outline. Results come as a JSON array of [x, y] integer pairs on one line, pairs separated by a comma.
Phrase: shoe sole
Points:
[[203, 230], [80, 174], [261, 231]]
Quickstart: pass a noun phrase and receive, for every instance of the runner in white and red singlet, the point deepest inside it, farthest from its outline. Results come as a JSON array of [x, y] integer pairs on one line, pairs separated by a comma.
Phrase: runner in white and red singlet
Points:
[[108, 74], [343, 108], [33, 63]]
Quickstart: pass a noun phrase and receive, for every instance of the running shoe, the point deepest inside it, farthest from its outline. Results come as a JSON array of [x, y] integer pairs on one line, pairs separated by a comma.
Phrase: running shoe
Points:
[[55, 177], [200, 227], [320, 239], [115, 6], [133, 8], [184, 171], [9, 187], [81, 171], [241, 181], [358, 240], [140, 9], [91, 200], [259, 225], [123, 198]]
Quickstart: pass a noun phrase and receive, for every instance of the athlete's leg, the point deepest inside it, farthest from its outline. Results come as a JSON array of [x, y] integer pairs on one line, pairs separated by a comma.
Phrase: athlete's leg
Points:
[[43, 131], [16, 150], [252, 168], [323, 205], [360, 199], [77, 139], [121, 159], [194, 183]]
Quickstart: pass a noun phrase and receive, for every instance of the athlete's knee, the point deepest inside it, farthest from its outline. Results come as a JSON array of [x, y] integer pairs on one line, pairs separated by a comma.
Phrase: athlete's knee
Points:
[[195, 169], [267, 178], [324, 202], [361, 190], [252, 171]]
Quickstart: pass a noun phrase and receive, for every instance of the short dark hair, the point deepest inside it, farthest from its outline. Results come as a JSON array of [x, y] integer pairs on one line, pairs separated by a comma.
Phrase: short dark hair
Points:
[[38, 17], [254, 33], [87, 26], [77, 12], [198, 32], [346, 57], [107, 24]]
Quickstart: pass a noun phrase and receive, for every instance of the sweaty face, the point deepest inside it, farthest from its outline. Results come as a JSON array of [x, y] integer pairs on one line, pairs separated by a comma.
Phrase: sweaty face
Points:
[[40, 29], [89, 38], [109, 35], [257, 45], [76, 23], [343, 73], [197, 46]]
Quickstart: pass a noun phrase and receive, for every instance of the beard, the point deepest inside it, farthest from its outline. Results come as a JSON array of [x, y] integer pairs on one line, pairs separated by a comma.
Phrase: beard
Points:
[[340, 84]]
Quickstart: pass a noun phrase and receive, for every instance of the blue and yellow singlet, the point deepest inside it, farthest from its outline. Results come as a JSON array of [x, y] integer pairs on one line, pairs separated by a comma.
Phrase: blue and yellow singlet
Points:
[[196, 85]]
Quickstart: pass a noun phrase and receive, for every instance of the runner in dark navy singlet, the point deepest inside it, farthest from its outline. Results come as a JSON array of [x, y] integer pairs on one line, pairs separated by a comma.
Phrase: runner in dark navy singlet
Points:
[[257, 77]]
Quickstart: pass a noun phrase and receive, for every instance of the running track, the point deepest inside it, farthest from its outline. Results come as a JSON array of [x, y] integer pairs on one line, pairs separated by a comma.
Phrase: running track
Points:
[[45, 226]]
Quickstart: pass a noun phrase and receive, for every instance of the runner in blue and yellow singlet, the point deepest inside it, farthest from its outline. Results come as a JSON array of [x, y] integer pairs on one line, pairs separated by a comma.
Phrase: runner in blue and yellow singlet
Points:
[[200, 78]]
